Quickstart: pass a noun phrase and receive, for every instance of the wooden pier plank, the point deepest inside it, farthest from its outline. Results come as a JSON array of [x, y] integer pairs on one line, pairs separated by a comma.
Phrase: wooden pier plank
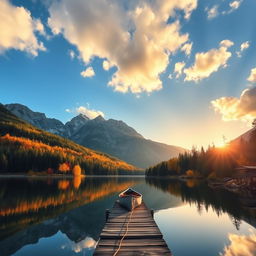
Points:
[[143, 236]]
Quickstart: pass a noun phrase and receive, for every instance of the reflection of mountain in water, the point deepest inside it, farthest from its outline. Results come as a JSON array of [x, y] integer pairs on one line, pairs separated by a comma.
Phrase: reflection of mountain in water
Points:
[[27, 201], [197, 192], [35, 209], [86, 217], [77, 224]]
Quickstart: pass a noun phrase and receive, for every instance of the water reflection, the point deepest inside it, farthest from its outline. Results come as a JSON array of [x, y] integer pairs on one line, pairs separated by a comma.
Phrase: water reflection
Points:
[[241, 245], [199, 193], [27, 201], [87, 243], [65, 216]]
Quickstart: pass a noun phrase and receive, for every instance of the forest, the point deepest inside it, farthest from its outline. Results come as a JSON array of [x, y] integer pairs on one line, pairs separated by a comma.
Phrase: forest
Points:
[[212, 162], [27, 149]]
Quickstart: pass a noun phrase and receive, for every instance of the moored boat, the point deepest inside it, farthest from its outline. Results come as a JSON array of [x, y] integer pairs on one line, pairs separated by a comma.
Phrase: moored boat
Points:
[[130, 199]]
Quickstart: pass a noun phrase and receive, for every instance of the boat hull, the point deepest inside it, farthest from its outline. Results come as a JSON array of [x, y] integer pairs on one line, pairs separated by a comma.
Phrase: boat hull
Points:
[[130, 200]]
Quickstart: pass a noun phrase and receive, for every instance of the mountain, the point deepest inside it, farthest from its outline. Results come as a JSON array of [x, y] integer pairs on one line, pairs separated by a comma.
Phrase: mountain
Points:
[[24, 147], [37, 119], [110, 136], [75, 124], [245, 147], [245, 137]]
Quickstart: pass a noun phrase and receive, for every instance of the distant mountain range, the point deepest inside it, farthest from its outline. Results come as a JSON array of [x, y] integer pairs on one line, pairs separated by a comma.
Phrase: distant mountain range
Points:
[[110, 136], [27, 148]]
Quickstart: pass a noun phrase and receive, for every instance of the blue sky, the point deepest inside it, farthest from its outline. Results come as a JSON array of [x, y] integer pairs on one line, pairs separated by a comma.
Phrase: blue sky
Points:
[[213, 95]]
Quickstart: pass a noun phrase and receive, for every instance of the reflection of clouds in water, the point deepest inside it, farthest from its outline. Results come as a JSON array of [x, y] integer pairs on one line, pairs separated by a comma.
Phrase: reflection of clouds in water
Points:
[[87, 243], [241, 245]]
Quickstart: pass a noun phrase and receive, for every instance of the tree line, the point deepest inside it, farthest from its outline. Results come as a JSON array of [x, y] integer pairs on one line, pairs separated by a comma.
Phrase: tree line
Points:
[[212, 162], [25, 148]]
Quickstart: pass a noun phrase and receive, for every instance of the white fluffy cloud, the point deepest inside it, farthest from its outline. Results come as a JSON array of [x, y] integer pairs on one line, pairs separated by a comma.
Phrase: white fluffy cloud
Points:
[[18, 28], [178, 68], [252, 76], [242, 108], [72, 54], [90, 113], [187, 48], [106, 65], [208, 62], [88, 72], [88, 243], [212, 12], [137, 41], [240, 245], [235, 5], [243, 47]]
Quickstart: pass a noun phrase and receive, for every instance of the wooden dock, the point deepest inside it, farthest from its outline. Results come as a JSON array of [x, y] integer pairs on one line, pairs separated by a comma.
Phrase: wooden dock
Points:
[[143, 236]]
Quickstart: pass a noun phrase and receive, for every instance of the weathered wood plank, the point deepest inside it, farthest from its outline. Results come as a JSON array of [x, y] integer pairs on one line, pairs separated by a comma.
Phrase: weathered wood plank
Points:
[[143, 236]]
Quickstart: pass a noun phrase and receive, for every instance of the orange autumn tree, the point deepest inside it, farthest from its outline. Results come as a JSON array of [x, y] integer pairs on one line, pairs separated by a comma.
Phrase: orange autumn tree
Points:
[[64, 167], [63, 184], [76, 170]]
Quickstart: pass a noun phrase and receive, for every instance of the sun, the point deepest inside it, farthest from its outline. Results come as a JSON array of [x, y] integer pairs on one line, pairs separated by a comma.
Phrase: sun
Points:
[[221, 144]]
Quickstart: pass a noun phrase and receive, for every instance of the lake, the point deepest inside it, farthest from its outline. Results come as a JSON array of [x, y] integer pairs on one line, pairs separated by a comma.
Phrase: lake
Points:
[[64, 217]]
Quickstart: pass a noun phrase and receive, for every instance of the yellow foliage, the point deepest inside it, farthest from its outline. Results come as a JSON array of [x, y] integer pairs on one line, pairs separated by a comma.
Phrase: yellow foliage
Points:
[[64, 167], [63, 184], [90, 156], [77, 170], [87, 195], [192, 183], [190, 173], [76, 181]]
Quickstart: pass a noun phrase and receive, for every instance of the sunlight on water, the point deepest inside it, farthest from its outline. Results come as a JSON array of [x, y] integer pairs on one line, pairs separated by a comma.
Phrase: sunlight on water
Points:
[[188, 229], [65, 216]]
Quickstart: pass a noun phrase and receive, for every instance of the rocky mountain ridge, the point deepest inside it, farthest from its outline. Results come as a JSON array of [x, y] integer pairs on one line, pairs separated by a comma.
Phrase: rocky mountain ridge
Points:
[[110, 136]]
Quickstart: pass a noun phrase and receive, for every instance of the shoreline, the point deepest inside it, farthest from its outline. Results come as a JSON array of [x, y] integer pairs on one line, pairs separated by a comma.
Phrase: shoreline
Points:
[[70, 176]]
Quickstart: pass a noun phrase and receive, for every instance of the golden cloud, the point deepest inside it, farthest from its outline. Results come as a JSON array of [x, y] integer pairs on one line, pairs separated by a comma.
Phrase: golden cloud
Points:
[[243, 47], [235, 5], [90, 113], [209, 62], [212, 12], [178, 68], [106, 65], [232, 108], [89, 72], [240, 245], [18, 28], [137, 41], [252, 76], [187, 48]]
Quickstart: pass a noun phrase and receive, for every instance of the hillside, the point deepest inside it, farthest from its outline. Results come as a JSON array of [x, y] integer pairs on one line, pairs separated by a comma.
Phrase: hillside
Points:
[[24, 147], [213, 162], [110, 136]]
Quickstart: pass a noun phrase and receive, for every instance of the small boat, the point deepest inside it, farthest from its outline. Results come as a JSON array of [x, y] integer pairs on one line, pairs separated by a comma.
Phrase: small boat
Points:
[[130, 199]]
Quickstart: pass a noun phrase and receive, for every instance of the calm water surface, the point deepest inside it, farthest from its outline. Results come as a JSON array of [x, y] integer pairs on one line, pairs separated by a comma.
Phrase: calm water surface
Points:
[[42, 216]]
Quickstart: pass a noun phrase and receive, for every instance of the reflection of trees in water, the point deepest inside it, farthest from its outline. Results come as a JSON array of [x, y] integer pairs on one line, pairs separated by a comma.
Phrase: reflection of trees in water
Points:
[[26, 201], [200, 194], [77, 224]]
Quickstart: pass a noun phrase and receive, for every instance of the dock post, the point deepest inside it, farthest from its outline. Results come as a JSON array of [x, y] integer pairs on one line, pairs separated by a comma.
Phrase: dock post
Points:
[[152, 213], [107, 214]]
